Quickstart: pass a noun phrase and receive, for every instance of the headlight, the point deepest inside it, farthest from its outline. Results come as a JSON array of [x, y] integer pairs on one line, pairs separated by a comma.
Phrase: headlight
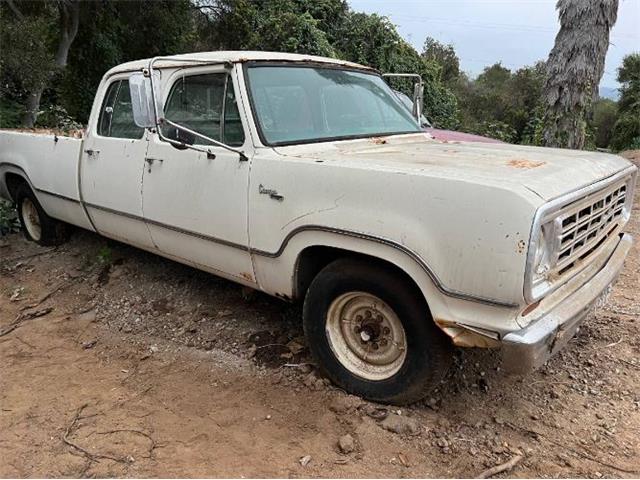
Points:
[[544, 258]]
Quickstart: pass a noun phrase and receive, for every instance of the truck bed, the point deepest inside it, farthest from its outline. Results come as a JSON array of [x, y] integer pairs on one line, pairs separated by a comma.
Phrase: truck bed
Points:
[[50, 162]]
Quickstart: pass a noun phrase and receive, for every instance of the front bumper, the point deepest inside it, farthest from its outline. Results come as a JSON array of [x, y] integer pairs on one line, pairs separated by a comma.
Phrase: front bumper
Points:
[[529, 348]]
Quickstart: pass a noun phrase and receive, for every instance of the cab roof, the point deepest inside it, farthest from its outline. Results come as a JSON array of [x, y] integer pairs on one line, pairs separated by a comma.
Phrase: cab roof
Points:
[[239, 56]]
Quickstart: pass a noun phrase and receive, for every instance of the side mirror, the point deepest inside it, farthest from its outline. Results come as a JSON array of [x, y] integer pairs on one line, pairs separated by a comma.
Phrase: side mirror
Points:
[[144, 113]]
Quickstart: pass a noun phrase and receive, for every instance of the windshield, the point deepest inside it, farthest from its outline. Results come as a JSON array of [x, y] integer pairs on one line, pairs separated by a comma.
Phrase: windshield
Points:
[[312, 104]]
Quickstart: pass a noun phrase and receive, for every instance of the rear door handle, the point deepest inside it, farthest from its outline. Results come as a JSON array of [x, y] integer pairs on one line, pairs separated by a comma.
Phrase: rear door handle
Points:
[[91, 152]]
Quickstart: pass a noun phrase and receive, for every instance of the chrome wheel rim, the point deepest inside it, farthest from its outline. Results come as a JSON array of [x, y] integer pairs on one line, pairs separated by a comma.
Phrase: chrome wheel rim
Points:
[[366, 336], [31, 219]]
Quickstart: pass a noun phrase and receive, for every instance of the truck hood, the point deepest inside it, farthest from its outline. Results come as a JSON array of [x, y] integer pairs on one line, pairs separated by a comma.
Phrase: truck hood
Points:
[[548, 172]]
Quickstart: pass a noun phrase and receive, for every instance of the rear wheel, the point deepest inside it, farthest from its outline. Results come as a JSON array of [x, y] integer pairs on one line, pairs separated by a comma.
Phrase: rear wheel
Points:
[[37, 226], [372, 334]]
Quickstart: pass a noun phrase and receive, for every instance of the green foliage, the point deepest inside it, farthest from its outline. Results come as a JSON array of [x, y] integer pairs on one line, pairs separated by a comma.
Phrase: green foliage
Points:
[[10, 111], [55, 116], [601, 124], [8, 218], [26, 59], [105, 256], [503, 104], [445, 57], [626, 132]]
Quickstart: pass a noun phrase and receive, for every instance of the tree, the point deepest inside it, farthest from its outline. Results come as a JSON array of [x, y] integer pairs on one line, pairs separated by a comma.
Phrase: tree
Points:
[[575, 67], [68, 15], [126, 31], [445, 56], [502, 104], [626, 132]]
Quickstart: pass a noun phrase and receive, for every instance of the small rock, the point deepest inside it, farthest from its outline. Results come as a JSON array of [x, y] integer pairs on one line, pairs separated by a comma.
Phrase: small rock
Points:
[[346, 444], [377, 413], [341, 404], [89, 344], [89, 316], [305, 368], [442, 443], [310, 380], [268, 417], [304, 461], [401, 424]]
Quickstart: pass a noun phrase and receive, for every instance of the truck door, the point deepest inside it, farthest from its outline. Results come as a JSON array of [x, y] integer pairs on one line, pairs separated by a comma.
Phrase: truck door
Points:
[[196, 204], [111, 168]]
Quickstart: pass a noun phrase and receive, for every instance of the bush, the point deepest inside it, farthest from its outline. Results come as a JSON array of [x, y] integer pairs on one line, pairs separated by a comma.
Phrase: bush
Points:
[[8, 218]]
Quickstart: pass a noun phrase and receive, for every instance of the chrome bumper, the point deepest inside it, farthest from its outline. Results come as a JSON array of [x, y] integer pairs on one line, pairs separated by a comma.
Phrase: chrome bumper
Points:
[[529, 348]]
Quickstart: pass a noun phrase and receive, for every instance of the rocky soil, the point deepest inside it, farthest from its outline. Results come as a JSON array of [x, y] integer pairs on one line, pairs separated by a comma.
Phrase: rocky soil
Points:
[[115, 362]]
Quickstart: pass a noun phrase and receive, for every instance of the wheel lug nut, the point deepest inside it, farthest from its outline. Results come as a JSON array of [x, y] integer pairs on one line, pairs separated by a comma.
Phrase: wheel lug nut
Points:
[[357, 329], [359, 318], [383, 342], [386, 330], [375, 346], [367, 314]]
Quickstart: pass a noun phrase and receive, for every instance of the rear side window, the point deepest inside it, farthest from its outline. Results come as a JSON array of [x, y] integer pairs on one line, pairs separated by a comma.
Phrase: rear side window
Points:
[[116, 115], [206, 104]]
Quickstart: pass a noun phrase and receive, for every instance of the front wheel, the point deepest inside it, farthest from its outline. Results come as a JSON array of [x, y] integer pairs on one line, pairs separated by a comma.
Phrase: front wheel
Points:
[[372, 334]]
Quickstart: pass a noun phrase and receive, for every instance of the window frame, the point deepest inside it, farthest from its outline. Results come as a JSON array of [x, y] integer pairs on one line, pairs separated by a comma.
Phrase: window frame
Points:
[[294, 64], [120, 80], [182, 73]]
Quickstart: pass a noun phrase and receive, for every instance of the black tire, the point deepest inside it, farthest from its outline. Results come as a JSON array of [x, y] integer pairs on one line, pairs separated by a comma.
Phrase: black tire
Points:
[[428, 353], [52, 231]]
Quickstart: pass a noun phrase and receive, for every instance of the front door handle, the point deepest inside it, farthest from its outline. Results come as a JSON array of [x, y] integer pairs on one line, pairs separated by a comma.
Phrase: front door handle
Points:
[[91, 152], [151, 160]]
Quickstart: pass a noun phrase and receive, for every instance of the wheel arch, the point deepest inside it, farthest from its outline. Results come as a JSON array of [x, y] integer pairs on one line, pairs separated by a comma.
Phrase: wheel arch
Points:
[[288, 272], [312, 259], [12, 181]]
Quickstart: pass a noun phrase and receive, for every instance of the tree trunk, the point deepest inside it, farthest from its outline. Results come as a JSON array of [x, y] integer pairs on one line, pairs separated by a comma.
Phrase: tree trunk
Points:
[[574, 69], [69, 21]]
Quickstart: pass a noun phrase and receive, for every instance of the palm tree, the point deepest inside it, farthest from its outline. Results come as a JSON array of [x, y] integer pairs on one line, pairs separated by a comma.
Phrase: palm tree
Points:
[[575, 67]]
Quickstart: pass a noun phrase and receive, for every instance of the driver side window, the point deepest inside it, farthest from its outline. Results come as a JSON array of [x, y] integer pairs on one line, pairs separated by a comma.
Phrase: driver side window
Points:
[[206, 104]]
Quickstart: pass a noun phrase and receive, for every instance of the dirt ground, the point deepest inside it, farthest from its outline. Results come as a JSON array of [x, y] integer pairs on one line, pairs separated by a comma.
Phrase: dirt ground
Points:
[[136, 366]]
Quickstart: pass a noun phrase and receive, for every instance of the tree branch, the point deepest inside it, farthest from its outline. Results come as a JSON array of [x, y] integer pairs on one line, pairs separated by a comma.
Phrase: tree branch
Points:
[[15, 10]]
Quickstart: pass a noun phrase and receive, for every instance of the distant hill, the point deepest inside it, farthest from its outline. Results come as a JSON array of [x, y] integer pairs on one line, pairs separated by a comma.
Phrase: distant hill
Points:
[[609, 92]]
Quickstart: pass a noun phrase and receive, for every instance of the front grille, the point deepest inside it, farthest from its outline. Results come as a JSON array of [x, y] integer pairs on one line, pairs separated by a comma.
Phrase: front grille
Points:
[[587, 223]]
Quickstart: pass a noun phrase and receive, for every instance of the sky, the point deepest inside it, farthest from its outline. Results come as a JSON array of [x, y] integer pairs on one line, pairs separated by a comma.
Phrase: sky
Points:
[[515, 32]]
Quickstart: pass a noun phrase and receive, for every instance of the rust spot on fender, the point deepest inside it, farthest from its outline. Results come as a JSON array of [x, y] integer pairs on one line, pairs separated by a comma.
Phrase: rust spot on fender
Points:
[[524, 164], [520, 246], [247, 276], [378, 140], [463, 337]]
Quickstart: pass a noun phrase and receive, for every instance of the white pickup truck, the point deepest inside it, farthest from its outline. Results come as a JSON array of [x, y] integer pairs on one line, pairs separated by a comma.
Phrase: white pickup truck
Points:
[[306, 178]]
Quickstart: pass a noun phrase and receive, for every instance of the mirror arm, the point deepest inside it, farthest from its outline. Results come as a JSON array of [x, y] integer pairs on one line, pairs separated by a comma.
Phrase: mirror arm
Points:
[[162, 121]]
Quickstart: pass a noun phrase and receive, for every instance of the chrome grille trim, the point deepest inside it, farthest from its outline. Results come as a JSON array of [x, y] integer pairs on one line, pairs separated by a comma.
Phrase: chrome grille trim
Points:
[[546, 218], [587, 222]]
